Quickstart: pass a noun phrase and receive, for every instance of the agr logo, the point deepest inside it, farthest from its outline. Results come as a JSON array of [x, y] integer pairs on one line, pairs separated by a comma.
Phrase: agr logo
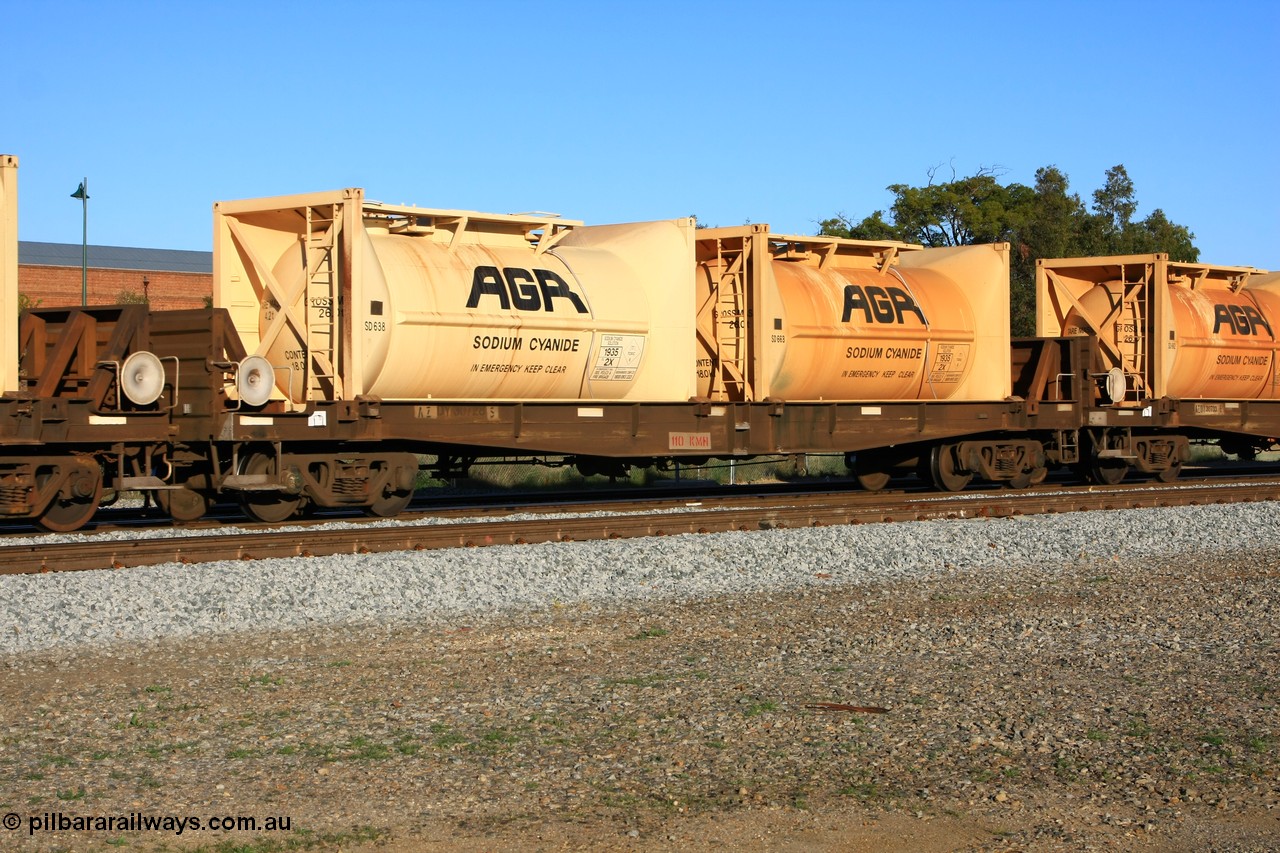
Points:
[[525, 290]]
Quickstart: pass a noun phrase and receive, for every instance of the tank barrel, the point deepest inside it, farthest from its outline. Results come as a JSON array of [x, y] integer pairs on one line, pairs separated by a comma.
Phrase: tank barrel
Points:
[[8, 273]]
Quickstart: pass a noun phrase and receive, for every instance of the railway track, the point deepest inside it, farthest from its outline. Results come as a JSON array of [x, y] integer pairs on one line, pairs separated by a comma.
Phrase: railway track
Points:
[[504, 502], [617, 520]]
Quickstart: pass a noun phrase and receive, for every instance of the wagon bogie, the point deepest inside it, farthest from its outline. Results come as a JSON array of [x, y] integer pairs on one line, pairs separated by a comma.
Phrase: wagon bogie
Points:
[[59, 492], [273, 483]]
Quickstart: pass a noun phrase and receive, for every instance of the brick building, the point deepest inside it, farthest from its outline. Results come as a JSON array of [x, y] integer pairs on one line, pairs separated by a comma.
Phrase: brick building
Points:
[[49, 275]]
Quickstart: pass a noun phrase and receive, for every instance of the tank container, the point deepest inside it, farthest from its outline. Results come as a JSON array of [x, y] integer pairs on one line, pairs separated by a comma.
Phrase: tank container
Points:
[[8, 273], [347, 297], [827, 319], [1178, 330]]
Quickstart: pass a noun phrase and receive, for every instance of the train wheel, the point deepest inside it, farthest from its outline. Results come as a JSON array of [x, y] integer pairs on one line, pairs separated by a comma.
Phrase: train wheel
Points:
[[869, 474], [389, 505], [942, 469], [269, 506], [399, 475], [1168, 475], [183, 504], [869, 478], [1026, 479], [1107, 473], [78, 500], [873, 481]]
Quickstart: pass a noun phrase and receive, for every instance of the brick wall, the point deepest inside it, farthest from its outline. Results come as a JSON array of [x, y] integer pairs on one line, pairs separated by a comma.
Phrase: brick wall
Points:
[[54, 287]]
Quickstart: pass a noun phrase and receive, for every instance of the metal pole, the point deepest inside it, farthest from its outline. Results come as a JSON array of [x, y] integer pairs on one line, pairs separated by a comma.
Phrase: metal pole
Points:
[[84, 245]]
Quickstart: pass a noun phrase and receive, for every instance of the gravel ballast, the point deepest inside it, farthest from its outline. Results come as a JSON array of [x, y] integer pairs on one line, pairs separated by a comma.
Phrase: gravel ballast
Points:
[[77, 608], [1076, 682]]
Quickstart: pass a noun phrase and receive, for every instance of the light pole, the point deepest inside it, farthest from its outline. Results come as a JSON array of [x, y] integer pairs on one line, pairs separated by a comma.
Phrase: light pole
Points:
[[82, 193]]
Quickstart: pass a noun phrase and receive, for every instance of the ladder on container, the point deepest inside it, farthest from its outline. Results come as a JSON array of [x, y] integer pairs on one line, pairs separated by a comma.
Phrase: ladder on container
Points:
[[319, 246], [1134, 361], [729, 379]]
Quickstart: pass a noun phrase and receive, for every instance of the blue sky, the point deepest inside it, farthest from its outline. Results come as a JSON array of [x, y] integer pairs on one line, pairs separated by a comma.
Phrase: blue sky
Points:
[[605, 112]]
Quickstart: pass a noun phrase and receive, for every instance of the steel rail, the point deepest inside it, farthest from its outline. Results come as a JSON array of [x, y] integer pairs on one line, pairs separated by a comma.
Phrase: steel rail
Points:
[[773, 512]]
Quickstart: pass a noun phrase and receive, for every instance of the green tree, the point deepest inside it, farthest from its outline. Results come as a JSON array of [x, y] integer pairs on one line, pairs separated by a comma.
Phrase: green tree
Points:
[[1157, 234], [872, 227], [1115, 202], [1046, 220], [960, 212], [1050, 218], [1110, 230]]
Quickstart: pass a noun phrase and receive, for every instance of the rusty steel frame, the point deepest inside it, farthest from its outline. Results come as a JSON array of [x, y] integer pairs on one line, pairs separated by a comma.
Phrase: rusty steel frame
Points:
[[68, 408]]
